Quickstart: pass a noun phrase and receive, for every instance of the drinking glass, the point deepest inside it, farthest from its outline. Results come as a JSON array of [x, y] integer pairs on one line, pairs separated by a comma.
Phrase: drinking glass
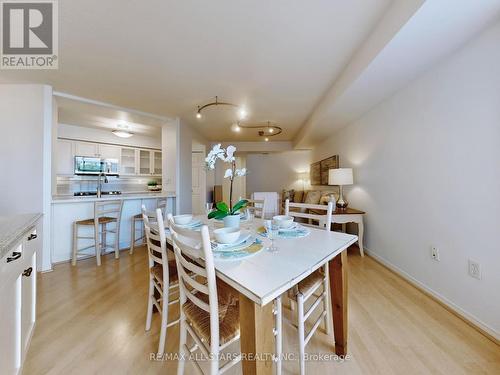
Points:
[[272, 230], [208, 207]]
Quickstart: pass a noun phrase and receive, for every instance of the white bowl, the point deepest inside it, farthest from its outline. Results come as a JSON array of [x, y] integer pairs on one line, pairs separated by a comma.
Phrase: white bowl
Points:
[[283, 221], [183, 219], [227, 235]]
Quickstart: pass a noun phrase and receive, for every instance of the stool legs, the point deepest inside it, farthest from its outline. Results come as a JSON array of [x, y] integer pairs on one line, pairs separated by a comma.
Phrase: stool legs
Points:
[[132, 236], [117, 242], [97, 244], [75, 242]]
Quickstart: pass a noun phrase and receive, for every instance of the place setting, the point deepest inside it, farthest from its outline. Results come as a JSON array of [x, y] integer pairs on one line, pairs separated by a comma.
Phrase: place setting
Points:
[[233, 243], [282, 226]]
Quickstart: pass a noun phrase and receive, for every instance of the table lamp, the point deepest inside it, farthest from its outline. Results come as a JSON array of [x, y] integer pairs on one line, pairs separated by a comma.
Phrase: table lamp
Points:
[[340, 177], [304, 177]]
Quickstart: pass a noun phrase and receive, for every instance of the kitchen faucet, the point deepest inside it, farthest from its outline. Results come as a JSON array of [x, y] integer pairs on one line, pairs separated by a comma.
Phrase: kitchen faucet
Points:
[[99, 183]]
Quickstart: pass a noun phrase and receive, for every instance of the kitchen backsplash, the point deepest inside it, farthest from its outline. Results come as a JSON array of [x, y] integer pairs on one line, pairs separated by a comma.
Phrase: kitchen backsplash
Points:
[[70, 185]]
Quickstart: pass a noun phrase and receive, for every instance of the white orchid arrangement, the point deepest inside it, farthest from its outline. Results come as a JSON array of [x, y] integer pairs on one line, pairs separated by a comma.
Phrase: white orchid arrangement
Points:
[[227, 156]]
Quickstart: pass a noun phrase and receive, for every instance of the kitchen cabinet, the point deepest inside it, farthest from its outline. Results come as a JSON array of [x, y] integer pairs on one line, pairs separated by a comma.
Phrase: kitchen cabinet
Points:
[[109, 152], [18, 302], [86, 149], [128, 161], [133, 161], [64, 157], [149, 163], [144, 162]]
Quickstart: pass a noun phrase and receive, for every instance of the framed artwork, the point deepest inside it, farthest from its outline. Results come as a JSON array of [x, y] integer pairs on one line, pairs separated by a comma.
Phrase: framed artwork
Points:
[[315, 173], [326, 164]]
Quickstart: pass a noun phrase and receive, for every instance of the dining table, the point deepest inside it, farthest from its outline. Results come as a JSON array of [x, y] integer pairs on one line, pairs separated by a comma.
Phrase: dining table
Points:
[[262, 277]]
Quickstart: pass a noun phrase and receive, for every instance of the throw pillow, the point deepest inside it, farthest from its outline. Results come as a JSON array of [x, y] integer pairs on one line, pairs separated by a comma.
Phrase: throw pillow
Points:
[[298, 196], [313, 197]]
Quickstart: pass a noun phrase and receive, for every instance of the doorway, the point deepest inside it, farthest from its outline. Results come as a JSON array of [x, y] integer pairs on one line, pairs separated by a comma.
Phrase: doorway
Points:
[[199, 187]]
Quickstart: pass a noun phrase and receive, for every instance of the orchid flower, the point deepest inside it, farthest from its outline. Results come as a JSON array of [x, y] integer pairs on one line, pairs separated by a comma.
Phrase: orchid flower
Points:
[[229, 173]]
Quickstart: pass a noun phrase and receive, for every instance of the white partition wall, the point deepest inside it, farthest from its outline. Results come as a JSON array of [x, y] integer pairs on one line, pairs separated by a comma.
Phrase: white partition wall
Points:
[[26, 116]]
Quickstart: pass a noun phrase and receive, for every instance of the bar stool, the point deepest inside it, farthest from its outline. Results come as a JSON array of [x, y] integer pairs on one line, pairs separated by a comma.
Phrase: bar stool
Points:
[[161, 203], [105, 212]]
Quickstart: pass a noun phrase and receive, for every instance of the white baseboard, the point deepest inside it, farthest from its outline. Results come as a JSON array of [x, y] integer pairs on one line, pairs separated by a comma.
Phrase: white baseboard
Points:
[[469, 318]]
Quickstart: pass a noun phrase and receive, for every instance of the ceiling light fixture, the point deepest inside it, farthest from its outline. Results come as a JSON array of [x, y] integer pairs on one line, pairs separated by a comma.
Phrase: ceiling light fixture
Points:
[[265, 130], [122, 131], [235, 128], [242, 112]]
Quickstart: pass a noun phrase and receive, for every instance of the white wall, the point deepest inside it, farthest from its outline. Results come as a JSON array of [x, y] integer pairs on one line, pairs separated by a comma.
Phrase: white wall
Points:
[[106, 136], [26, 113], [427, 172], [276, 171]]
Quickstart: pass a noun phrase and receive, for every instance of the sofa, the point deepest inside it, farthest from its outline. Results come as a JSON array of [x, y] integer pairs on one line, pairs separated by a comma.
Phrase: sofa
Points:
[[313, 196]]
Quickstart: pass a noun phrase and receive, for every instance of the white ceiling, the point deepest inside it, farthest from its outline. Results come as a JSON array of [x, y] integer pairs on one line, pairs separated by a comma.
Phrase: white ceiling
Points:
[[92, 115], [166, 57], [310, 66]]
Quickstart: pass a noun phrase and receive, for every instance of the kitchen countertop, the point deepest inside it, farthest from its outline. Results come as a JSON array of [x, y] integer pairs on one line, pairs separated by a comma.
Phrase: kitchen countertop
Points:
[[124, 196], [12, 229]]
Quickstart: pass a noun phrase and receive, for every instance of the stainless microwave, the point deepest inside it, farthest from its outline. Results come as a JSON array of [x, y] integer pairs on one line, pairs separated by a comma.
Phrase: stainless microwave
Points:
[[85, 165]]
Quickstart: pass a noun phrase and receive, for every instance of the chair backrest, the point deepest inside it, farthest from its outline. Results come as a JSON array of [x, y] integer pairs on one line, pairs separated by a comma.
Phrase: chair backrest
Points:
[[156, 241], [108, 208], [257, 207], [305, 209], [197, 281], [161, 203]]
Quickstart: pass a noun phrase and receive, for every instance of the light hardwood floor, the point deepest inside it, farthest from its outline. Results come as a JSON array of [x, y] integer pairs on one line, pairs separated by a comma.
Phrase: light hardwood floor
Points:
[[91, 321]]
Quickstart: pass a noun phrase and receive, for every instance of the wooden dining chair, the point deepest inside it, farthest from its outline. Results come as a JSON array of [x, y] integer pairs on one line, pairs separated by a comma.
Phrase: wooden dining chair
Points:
[[161, 203], [257, 207], [105, 212], [315, 285], [209, 307], [163, 276]]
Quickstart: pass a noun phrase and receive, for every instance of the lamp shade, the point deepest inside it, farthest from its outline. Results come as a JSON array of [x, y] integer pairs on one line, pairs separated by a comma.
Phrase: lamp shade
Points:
[[340, 176]]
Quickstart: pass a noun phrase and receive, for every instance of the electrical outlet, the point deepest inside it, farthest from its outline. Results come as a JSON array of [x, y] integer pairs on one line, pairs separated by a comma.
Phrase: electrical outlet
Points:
[[435, 253], [474, 269]]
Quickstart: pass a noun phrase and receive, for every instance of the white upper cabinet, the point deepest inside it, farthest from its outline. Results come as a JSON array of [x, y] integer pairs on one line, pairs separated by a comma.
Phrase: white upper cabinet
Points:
[[64, 155], [128, 161], [86, 149], [133, 161], [109, 152]]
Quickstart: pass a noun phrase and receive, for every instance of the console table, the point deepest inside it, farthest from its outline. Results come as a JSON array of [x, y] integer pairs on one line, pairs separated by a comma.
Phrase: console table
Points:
[[350, 215]]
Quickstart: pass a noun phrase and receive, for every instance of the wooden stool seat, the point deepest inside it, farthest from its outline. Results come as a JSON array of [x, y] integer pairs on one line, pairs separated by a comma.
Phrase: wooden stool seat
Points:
[[157, 271], [102, 220]]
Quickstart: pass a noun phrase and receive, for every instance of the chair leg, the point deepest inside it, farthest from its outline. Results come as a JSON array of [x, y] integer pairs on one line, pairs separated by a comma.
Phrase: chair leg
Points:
[[301, 329], [132, 236], [151, 295], [164, 319], [278, 334], [75, 244], [97, 245], [182, 343]]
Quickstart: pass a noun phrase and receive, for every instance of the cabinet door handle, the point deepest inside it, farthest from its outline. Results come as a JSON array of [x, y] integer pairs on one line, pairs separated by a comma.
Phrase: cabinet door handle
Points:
[[27, 272], [15, 256], [32, 237]]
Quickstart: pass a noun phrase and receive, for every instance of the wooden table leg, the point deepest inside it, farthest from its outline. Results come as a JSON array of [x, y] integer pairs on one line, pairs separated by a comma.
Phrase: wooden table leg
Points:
[[257, 338], [338, 292]]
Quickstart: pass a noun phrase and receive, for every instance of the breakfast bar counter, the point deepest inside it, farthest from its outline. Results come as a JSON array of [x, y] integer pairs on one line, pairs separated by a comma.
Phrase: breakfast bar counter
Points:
[[68, 209]]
